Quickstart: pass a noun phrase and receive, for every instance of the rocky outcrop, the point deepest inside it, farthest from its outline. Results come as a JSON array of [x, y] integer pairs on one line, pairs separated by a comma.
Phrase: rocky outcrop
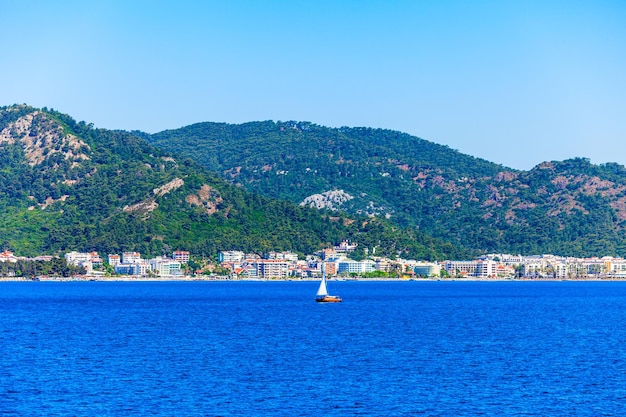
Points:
[[42, 137], [331, 200], [207, 197], [170, 186]]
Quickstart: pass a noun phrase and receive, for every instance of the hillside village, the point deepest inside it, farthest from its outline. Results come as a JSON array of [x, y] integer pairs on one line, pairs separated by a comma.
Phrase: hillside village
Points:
[[237, 265]]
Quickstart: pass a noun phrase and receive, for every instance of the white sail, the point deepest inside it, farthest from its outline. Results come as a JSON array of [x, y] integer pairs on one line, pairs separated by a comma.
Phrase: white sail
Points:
[[322, 289], [322, 294]]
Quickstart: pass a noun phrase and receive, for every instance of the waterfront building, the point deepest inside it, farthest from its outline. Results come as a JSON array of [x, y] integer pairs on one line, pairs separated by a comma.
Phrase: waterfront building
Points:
[[355, 267], [303, 269], [7, 256], [595, 267], [486, 269], [427, 269], [331, 268], [560, 270], [89, 261], [77, 258], [230, 256], [533, 269], [460, 268], [144, 267], [181, 256], [270, 268], [246, 272], [328, 254], [137, 268], [549, 267], [128, 269], [131, 257], [114, 260], [479, 269], [505, 270], [95, 259], [504, 258], [383, 264], [313, 268], [615, 267], [165, 267]]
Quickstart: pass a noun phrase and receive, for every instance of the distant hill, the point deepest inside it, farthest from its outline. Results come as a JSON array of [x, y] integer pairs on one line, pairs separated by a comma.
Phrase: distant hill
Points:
[[68, 186], [569, 208]]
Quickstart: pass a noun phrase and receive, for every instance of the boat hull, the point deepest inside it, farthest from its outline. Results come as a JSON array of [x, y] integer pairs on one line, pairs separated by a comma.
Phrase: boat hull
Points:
[[328, 299]]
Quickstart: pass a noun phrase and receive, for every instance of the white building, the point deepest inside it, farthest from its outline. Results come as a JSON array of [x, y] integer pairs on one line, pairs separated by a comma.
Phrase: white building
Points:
[[355, 267], [345, 247], [616, 267], [463, 268], [427, 269], [165, 267], [136, 268], [486, 269], [270, 268], [230, 256], [7, 256], [77, 258], [181, 256], [83, 259], [480, 268], [287, 256], [131, 257], [547, 268], [114, 260]]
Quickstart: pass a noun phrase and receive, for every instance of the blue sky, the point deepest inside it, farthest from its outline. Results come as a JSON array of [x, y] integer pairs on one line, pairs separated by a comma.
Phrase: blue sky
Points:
[[513, 82]]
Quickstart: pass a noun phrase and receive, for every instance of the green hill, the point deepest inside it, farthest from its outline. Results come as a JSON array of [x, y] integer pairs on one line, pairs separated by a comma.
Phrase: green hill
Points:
[[67, 186], [568, 208]]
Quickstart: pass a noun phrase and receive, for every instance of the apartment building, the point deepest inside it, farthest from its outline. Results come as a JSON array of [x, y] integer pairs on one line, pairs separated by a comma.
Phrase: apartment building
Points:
[[77, 258], [486, 269], [114, 260], [131, 257], [270, 268], [355, 267], [165, 267], [427, 269], [287, 256], [460, 268], [7, 256], [135, 268], [83, 259], [230, 256], [181, 256]]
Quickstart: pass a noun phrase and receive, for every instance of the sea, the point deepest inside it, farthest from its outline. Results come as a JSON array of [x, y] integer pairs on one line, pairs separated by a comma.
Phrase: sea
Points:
[[412, 348]]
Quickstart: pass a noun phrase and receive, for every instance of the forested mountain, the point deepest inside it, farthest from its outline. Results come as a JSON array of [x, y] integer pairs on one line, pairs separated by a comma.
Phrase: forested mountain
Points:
[[68, 186], [567, 208]]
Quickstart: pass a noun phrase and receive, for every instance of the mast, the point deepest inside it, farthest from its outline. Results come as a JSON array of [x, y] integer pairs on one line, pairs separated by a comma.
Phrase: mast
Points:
[[322, 288]]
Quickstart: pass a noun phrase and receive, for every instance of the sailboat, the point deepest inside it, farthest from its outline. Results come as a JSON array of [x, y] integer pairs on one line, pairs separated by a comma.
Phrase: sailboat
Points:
[[322, 293]]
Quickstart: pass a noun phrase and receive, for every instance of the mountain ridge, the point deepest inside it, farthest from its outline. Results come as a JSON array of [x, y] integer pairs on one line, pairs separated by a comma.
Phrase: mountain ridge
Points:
[[70, 186], [568, 207]]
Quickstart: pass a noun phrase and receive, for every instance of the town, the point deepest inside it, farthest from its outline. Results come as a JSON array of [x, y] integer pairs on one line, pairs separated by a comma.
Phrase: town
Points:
[[237, 265]]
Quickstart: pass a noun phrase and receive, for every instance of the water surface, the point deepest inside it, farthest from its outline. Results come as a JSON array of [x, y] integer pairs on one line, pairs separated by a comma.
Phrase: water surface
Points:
[[266, 348]]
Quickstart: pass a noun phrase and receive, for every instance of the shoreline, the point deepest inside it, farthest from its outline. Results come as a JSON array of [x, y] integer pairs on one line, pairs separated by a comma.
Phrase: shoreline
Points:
[[127, 278]]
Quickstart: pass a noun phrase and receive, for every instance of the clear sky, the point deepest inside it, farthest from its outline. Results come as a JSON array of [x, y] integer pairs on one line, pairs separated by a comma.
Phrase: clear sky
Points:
[[513, 82]]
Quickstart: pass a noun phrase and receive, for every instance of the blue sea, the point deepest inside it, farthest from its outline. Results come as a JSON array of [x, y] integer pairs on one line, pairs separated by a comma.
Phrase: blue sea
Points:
[[267, 349]]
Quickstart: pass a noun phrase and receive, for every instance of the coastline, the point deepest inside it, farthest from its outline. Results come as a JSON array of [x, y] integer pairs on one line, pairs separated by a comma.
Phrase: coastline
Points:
[[130, 278]]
